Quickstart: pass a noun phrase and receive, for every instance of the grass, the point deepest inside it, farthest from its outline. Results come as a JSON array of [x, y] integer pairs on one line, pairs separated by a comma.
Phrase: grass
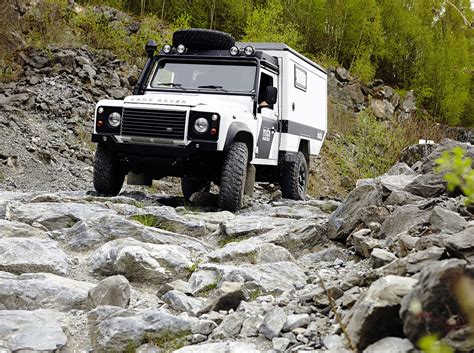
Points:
[[145, 219], [255, 294], [207, 289], [2, 176], [168, 342]]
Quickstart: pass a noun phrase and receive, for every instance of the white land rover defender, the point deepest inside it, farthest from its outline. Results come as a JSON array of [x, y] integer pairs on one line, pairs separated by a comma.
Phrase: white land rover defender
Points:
[[208, 109]]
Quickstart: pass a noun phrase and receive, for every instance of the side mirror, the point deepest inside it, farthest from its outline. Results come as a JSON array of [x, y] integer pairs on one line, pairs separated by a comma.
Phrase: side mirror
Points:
[[150, 48], [271, 94]]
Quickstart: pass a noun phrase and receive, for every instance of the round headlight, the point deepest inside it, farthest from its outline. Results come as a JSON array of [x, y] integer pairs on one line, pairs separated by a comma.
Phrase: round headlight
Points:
[[201, 125], [100, 110], [214, 117], [115, 119], [166, 48], [234, 51], [249, 50], [181, 49]]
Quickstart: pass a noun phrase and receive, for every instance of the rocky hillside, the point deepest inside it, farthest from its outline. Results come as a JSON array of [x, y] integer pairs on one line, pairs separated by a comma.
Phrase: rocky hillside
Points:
[[375, 273]]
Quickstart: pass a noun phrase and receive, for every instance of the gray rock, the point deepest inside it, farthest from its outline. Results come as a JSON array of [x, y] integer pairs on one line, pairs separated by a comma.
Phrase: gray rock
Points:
[[446, 221], [227, 296], [427, 185], [403, 219], [290, 211], [168, 219], [400, 198], [178, 285], [42, 291], [37, 330], [114, 290], [182, 302], [381, 257], [342, 74], [320, 296], [396, 182], [115, 329], [251, 325], [295, 321], [363, 243], [432, 304], [461, 244], [446, 145], [140, 261], [229, 327], [360, 207], [273, 323], [10, 229], [249, 252], [350, 297], [147, 348], [249, 225], [400, 168], [219, 347], [22, 255], [382, 109], [390, 345], [329, 255], [280, 343], [378, 307], [415, 262]]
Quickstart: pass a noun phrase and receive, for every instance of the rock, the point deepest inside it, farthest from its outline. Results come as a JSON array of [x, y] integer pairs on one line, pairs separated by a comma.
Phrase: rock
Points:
[[178, 285], [22, 255], [378, 308], [350, 297], [407, 106], [22, 97], [249, 252], [460, 244], [320, 296], [249, 225], [272, 278], [414, 153], [363, 243], [432, 304], [168, 219], [116, 329], [219, 347], [182, 302], [448, 222], [280, 343], [382, 108], [342, 74], [295, 321], [390, 345], [400, 198], [358, 209], [396, 182], [403, 219], [10, 229], [251, 325], [273, 323], [42, 291], [400, 168], [427, 185], [436, 151], [415, 262], [35, 330], [381, 257], [229, 327], [329, 255], [227, 296], [140, 261], [114, 290]]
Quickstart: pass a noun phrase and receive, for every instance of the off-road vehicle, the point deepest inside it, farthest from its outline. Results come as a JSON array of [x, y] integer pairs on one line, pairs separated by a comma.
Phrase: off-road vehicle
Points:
[[209, 109]]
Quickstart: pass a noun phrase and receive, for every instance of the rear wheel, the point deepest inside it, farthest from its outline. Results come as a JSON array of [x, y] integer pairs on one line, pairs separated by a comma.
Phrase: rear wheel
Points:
[[108, 175], [294, 178], [191, 185], [234, 173]]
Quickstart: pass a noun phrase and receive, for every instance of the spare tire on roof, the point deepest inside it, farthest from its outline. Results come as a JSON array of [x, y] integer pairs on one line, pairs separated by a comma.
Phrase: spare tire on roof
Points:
[[198, 38]]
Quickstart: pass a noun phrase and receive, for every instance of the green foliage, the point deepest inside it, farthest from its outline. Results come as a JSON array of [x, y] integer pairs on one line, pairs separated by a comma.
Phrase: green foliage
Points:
[[430, 344], [145, 219], [207, 289], [168, 342], [459, 172], [255, 294]]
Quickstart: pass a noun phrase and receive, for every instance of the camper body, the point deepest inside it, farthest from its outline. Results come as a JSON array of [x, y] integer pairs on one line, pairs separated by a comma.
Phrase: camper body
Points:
[[253, 111]]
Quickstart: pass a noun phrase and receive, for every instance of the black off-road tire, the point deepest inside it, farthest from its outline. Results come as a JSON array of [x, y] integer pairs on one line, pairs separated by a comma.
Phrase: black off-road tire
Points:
[[294, 178], [234, 173], [108, 174], [191, 185], [198, 38]]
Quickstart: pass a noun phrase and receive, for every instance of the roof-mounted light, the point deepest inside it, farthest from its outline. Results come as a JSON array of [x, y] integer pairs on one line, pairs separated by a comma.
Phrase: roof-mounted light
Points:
[[249, 51], [181, 49], [166, 48], [234, 51]]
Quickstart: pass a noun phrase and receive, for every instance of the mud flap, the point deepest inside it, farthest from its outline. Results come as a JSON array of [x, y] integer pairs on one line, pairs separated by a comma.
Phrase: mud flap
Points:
[[250, 180]]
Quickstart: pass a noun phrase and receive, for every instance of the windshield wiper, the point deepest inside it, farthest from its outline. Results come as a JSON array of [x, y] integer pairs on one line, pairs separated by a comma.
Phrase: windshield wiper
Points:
[[171, 84], [213, 87]]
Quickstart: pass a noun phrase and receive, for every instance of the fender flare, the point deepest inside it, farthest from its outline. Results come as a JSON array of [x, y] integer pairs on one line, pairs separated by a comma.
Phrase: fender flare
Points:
[[238, 131]]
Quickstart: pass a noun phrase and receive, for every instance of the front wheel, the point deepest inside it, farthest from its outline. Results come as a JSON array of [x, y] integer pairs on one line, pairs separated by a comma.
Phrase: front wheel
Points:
[[294, 178], [108, 174], [234, 173], [191, 185]]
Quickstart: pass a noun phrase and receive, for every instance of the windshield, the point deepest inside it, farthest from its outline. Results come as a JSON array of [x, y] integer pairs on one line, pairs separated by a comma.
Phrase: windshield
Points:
[[205, 76]]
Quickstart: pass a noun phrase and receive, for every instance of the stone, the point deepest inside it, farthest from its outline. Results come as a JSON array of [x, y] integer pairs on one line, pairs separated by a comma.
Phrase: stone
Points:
[[427, 185], [219, 347], [355, 211], [114, 290], [178, 285], [432, 304], [375, 314], [390, 345], [460, 244], [31, 330], [295, 321], [249, 252], [182, 302], [403, 219], [113, 328], [416, 261], [381, 257], [251, 325], [23, 255], [406, 244], [329, 255], [168, 219], [407, 106], [9, 229], [396, 182], [350, 297], [436, 151], [280, 344], [273, 323], [249, 225], [446, 221], [400, 198], [363, 243], [320, 296], [382, 109], [342, 74], [228, 296], [229, 327], [147, 348], [416, 153], [400, 168], [140, 261]]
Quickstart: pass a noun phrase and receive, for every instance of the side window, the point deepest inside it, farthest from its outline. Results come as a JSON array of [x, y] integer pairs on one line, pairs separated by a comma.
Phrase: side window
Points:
[[301, 78], [265, 81]]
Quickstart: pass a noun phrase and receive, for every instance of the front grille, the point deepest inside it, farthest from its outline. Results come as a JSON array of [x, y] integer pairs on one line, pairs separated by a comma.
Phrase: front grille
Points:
[[167, 124]]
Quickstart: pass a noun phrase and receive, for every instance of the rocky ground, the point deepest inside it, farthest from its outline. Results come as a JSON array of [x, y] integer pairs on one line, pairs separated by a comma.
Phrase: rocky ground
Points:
[[139, 272]]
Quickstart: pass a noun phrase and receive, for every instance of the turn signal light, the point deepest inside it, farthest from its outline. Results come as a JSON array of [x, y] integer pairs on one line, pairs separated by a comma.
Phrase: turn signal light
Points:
[[213, 131], [100, 123]]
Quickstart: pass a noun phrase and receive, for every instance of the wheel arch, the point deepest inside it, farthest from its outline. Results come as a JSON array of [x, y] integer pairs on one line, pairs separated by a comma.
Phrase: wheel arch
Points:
[[304, 148], [239, 132]]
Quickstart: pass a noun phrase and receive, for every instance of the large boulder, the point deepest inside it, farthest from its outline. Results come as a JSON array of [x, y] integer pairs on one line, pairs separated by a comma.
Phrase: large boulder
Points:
[[9, 229], [375, 314], [460, 244], [433, 305], [360, 208], [427, 185], [249, 252], [403, 219], [446, 221], [114, 290]]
